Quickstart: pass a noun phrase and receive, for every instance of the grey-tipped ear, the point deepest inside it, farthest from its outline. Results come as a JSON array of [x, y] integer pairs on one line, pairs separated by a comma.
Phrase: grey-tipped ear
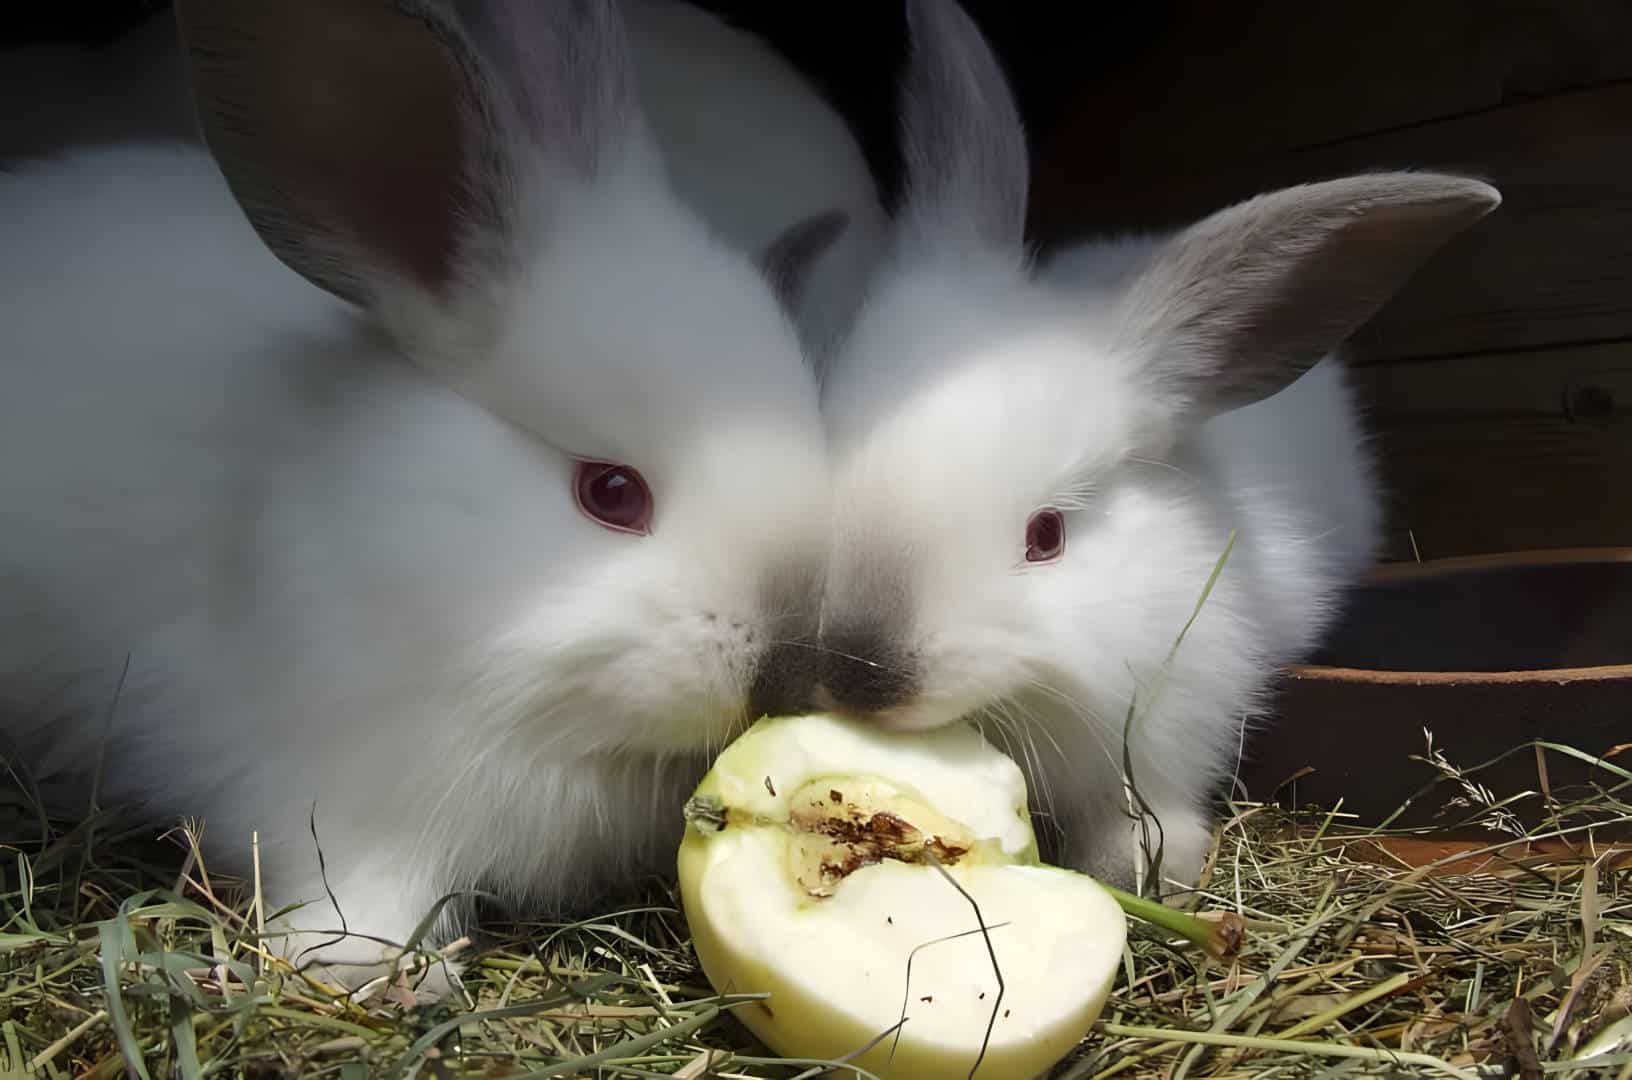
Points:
[[962, 140], [565, 66], [790, 258], [1235, 308], [365, 140], [336, 127]]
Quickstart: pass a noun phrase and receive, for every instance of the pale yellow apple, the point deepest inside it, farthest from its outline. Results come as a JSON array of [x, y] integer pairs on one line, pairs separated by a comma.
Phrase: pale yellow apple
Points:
[[812, 870]]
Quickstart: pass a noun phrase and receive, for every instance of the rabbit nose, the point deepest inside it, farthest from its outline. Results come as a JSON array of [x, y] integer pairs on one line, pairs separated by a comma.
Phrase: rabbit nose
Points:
[[784, 679], [861, 671], [784, 672]]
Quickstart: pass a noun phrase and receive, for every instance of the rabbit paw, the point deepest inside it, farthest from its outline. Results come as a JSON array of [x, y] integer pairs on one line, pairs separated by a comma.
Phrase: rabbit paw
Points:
[[362, 955], [1116, 852], [365, 970]]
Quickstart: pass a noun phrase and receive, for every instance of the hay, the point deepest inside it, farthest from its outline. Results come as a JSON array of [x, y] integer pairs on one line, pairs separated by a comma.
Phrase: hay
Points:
[[1516, 962], [1513, 958]]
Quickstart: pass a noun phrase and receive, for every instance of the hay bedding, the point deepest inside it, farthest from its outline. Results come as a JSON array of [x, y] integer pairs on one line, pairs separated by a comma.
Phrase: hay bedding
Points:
[[119, 952]]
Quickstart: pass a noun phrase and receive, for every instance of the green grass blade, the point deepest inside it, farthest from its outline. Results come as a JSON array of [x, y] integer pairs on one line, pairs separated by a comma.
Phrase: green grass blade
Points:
[[112, 934]]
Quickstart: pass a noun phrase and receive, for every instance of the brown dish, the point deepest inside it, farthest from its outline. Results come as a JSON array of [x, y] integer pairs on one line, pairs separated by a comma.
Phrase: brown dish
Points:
[[1486, 652]]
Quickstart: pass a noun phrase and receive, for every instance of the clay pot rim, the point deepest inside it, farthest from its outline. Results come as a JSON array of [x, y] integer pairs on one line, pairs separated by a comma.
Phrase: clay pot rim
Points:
[[1560, 676], [1390, 573]]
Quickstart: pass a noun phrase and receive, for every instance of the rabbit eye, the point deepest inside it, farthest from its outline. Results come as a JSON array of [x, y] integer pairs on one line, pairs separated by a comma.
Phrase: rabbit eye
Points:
[[1045, 535], [614, 496]]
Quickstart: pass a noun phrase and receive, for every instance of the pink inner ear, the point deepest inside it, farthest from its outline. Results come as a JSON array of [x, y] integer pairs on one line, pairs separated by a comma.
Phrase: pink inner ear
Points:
[[403, 216], [403, 177], [366, 160], [348, 162]]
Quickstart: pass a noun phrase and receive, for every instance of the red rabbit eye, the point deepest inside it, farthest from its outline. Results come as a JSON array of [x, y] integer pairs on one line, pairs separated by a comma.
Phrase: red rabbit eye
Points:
[[614, 496], [1045, 536]]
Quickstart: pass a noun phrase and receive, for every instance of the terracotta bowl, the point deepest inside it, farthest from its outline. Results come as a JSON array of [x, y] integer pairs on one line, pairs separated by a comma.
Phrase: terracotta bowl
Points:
[[1486, 652]]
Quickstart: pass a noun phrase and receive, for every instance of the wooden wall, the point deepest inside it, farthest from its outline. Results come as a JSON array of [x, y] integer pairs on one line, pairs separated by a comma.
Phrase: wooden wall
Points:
[[1500, 380]]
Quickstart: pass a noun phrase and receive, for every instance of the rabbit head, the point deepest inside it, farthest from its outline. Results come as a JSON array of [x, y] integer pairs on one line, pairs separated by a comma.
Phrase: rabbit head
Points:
[[1023, 523], [480, 183]]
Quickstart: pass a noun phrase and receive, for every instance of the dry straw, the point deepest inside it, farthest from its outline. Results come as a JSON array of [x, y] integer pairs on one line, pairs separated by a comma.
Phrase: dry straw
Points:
[[1514, 961]]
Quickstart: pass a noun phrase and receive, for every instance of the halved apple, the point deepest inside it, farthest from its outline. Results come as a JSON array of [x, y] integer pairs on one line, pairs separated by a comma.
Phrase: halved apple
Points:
[[816, 869]]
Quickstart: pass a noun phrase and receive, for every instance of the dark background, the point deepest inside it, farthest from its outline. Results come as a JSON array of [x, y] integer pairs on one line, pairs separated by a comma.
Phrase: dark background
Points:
[[852, 48]]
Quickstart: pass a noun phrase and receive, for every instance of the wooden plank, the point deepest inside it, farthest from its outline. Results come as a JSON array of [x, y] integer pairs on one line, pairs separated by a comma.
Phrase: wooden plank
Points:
[[1504, 453], [1551, 266], [1226, 83]]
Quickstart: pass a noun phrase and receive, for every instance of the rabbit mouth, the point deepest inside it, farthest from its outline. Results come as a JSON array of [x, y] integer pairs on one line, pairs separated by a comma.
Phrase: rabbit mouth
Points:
[[916, 715]]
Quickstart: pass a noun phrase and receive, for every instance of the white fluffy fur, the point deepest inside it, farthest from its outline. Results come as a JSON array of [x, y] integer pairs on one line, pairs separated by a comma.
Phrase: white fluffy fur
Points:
[[975, 391], [968, 398], [340, 581]]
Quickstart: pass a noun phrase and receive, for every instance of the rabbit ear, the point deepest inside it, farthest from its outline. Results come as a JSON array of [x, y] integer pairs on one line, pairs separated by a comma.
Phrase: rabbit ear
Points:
[[367, 140], [962, 140], [566, 66], [790, 258], [1236, 307]]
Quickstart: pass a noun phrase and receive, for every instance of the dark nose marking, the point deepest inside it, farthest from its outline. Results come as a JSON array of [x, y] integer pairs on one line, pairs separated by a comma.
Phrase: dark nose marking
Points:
[[785, 670], [784, 679], [863, 669]]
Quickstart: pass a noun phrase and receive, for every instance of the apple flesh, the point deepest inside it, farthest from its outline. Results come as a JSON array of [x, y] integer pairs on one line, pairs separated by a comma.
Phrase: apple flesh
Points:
[[816, 865]]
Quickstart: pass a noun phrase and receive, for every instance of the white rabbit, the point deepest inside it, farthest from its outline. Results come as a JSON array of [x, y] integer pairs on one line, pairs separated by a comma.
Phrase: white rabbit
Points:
[[748, 141], [1036, 472], [473, 568]]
